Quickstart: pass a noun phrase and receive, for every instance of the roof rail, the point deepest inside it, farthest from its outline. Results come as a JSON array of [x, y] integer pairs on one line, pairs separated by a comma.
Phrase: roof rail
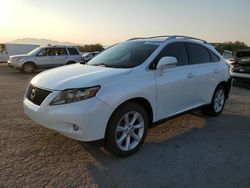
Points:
[[168, 37], [186, 37], [161, 36], [61, 45]]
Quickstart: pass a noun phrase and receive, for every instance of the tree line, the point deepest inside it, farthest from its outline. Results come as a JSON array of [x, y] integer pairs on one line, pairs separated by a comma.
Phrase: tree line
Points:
[[232, 46], [91, 47]]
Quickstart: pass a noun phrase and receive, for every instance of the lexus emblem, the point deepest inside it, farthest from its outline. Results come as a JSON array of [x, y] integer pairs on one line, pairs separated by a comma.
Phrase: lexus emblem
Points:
[[33, 94]]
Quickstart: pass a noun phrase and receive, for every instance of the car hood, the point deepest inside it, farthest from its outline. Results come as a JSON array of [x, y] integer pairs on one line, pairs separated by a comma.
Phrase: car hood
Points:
[[76, 76], [22, 55]]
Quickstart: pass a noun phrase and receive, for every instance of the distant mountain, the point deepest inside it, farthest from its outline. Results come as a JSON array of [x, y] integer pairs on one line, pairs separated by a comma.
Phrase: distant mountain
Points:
[[41, 42]]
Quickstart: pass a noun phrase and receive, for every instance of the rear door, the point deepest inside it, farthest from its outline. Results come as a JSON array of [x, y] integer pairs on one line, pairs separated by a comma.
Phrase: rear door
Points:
[[207, 72], [175, 88], [60, 56]]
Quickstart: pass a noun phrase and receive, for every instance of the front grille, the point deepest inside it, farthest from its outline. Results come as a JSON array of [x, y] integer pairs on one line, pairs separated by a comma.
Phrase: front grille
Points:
[[36, 95], [241, 69]]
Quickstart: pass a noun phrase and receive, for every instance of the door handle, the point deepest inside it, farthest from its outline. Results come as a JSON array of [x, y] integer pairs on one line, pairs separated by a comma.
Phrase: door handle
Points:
[[190, 75]]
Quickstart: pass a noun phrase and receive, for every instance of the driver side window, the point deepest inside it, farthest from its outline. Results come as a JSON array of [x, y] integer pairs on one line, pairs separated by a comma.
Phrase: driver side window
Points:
[[177, 50], [46, 52]]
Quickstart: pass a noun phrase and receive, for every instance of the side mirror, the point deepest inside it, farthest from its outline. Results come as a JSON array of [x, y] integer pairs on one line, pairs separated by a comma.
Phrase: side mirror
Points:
[[166, 62]]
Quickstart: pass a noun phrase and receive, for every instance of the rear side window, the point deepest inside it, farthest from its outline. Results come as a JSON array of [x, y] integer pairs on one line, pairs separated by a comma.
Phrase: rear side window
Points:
[[198, 54], [177, 50], [73, 51], [214, 57], [60, 51]]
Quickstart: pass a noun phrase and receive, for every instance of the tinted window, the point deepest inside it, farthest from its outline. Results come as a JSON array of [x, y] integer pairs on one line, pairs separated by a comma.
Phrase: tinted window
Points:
[[198, 54], [243, 54], [60, 51], [73, 51], [46, 52], [177, 50], [214, 57]]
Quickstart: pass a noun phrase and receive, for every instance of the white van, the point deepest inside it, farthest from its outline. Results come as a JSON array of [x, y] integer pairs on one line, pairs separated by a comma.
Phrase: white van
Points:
[[7, 50]]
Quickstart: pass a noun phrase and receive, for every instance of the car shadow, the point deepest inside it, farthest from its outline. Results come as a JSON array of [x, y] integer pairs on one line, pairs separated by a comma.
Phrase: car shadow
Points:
[[214, 155]]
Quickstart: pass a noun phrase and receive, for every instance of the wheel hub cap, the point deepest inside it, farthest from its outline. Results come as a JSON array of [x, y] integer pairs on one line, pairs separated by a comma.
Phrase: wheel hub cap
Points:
[[219, 100], [129, 131]]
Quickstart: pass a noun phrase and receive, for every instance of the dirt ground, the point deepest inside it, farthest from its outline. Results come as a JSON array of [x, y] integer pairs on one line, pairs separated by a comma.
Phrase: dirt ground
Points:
[[189, 151]]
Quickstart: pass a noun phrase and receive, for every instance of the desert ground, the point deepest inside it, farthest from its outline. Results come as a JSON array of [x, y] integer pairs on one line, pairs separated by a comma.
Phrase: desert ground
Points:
[[192, 150]]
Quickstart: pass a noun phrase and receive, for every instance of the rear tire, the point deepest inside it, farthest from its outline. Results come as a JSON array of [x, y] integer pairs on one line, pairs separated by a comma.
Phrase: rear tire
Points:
[[126, 130], [218, 101], [28, 68]]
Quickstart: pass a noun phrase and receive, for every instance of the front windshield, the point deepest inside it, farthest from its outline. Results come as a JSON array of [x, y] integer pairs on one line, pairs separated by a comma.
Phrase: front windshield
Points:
[[242, 54], [32, 52], [125, 55]]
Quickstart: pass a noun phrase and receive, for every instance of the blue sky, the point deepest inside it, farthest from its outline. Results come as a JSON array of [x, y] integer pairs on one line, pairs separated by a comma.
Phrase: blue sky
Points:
[[110, 21]]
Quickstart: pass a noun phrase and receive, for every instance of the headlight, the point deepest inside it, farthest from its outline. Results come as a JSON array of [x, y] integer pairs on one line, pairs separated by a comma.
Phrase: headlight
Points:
[[74, 95]]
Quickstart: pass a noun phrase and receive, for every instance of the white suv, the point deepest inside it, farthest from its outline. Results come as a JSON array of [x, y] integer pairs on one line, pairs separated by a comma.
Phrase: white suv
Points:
[[129, 88], [45, 57]]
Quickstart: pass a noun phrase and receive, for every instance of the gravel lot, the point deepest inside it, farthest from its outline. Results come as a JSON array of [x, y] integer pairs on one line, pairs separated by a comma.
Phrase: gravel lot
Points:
[[190, 151]]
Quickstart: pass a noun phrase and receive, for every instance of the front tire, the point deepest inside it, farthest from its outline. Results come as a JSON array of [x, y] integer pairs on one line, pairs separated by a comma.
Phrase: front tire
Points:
[[218, 101], [126, 130], [29, 68]]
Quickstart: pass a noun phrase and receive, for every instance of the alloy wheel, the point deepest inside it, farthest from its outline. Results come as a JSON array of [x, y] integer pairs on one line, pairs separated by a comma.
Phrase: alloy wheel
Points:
[[129, 131], [219, 100]]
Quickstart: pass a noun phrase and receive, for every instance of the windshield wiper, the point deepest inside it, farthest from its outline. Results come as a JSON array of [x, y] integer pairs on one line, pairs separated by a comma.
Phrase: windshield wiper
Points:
[[101, 65]]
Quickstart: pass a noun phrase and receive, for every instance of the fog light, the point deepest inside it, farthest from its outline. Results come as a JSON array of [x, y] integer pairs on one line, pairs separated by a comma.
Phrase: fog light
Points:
[[75, 127]]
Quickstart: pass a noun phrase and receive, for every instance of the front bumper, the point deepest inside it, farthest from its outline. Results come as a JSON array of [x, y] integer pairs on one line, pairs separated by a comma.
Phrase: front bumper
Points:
[[239, 75], [91, 116], [16, 65]]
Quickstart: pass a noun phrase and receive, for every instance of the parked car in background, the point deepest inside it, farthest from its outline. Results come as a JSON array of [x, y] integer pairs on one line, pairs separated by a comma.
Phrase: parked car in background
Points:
[[7, 50], [45, 57], [88, 56], [240, 68], [228, 56], [129, 88]]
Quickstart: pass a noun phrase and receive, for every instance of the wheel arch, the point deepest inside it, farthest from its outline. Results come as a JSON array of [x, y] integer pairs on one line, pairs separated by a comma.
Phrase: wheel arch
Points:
[[144, 103], [71, 61], [32, 62], [226, 85]]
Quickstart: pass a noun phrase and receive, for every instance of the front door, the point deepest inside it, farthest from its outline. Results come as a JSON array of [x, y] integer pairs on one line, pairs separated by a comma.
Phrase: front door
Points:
[[45, 58], [175, 88]]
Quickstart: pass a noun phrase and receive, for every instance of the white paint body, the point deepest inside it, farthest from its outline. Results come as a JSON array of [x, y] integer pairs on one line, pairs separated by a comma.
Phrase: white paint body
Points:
[[169, 92]]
